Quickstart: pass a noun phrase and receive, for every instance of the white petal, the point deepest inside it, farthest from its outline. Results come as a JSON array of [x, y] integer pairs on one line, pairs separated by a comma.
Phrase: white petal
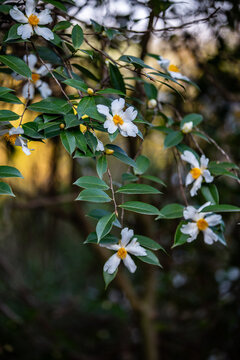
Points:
[[135, 248], [114, 247], [100, 146], [102, 109], [204, 161], [130, 114], [190, 213], [25, 31], [209, 236], [45, 90], [30, 7], [112, 264], [213, 219], [117, 105], [196, 186], [110, 126], [190, 229], [44, 69], [23, 144], [18, 15], [28, 91], [16, 131], [207, 176], [44, 32], [18, 77], [204, 205], [126, 236], [164, 63], [178, 76], [44, 17], [189, 179], [129, 263], [189, 157], [128, 129], [30, 60]]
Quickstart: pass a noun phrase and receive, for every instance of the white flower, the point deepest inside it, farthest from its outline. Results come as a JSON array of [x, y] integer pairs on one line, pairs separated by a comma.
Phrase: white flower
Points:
[[201, 222], [100, 146], [124, 247], [152, 103], [13, 136], [24, 145], [198, 171], [171, 69], [16, 131], [187, 127], [119, 119], [31, 21], [36, 82]]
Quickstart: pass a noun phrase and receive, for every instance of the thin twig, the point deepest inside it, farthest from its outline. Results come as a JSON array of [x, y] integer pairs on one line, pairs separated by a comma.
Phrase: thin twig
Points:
[[112, 189], [176, 156]]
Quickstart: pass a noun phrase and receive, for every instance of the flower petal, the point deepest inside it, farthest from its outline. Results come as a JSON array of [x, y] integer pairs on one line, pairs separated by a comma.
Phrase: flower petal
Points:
[[126, 236], [112, 264], [44, 90], [135, 248], [207, 176], [164, 63], [30, 60], [102, 109], [117, 105], [23, 143], [44, 17], [110, 126], [18, 76], [214, 219], [189, 179], [190, 213], [189, 157], [129, 263], [130, 114], [178, 76], [209, 236], [16, 131], [28, 91], [30, 7], [25, 31], [204, 161], [190, 229], [44, 32], [114, 247], [18, 15], [44, 69], [196, 186], [128, 129]]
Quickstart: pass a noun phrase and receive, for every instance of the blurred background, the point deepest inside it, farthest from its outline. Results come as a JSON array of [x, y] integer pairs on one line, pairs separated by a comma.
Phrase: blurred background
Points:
[[53, 304]]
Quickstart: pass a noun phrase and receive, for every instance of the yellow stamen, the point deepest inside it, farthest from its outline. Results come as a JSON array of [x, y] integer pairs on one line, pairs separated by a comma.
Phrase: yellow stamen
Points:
[[35, 77], [122, 253], [173, 68], [83, 128], [196, 172], [11, 138], [109, 151], [33, 20], [90, 91], [202, 224], [117, 120]]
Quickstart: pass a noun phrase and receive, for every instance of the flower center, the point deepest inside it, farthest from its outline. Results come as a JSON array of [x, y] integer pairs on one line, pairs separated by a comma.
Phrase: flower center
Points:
[[33, 20], [195, 172], [11, 138], [117, 120], [35, 77], [173, 68], [122, 253], [202, 224]]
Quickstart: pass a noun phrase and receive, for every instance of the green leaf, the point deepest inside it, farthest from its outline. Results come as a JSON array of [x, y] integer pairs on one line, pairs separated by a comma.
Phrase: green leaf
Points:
[[224, 164], [77, 84], [57, 4], [180, 238], [51, 106], [77, 36], [137, 189], [108, 239], [9, 171], [210, 193], [4, 90], [194, 118], [31, 130], [150, 258], [16, 64], [150, 90], [88, 107], [173, 139], [81, 142], [93, 195], [129, 177], [221, 208], [68, 141], [62, 25], [104, 225], [142, 163], [110, 91], [5, 189], [7, 115], [217, 170], [101, 166], [140, 207], [148, 243], [108, 278], [91, 182], [171, 211], [99, 213], [86, 72], [116, 78], [121, 155], [154, 179], [71, 120]]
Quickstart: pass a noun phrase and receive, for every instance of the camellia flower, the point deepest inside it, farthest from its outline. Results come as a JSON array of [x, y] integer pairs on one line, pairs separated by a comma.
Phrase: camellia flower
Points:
[[202, 221], [119, 119], [187, 127], [171, 69], [124, 247], [36, 82], [32, 20], [198, 171], [14, 138]]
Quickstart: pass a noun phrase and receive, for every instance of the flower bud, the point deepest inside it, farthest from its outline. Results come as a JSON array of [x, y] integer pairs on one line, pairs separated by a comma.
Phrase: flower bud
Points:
[[84, 116], [152, 103], [83, 128], [109, 151], [187, 127], [62, 126], [90, 91]]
